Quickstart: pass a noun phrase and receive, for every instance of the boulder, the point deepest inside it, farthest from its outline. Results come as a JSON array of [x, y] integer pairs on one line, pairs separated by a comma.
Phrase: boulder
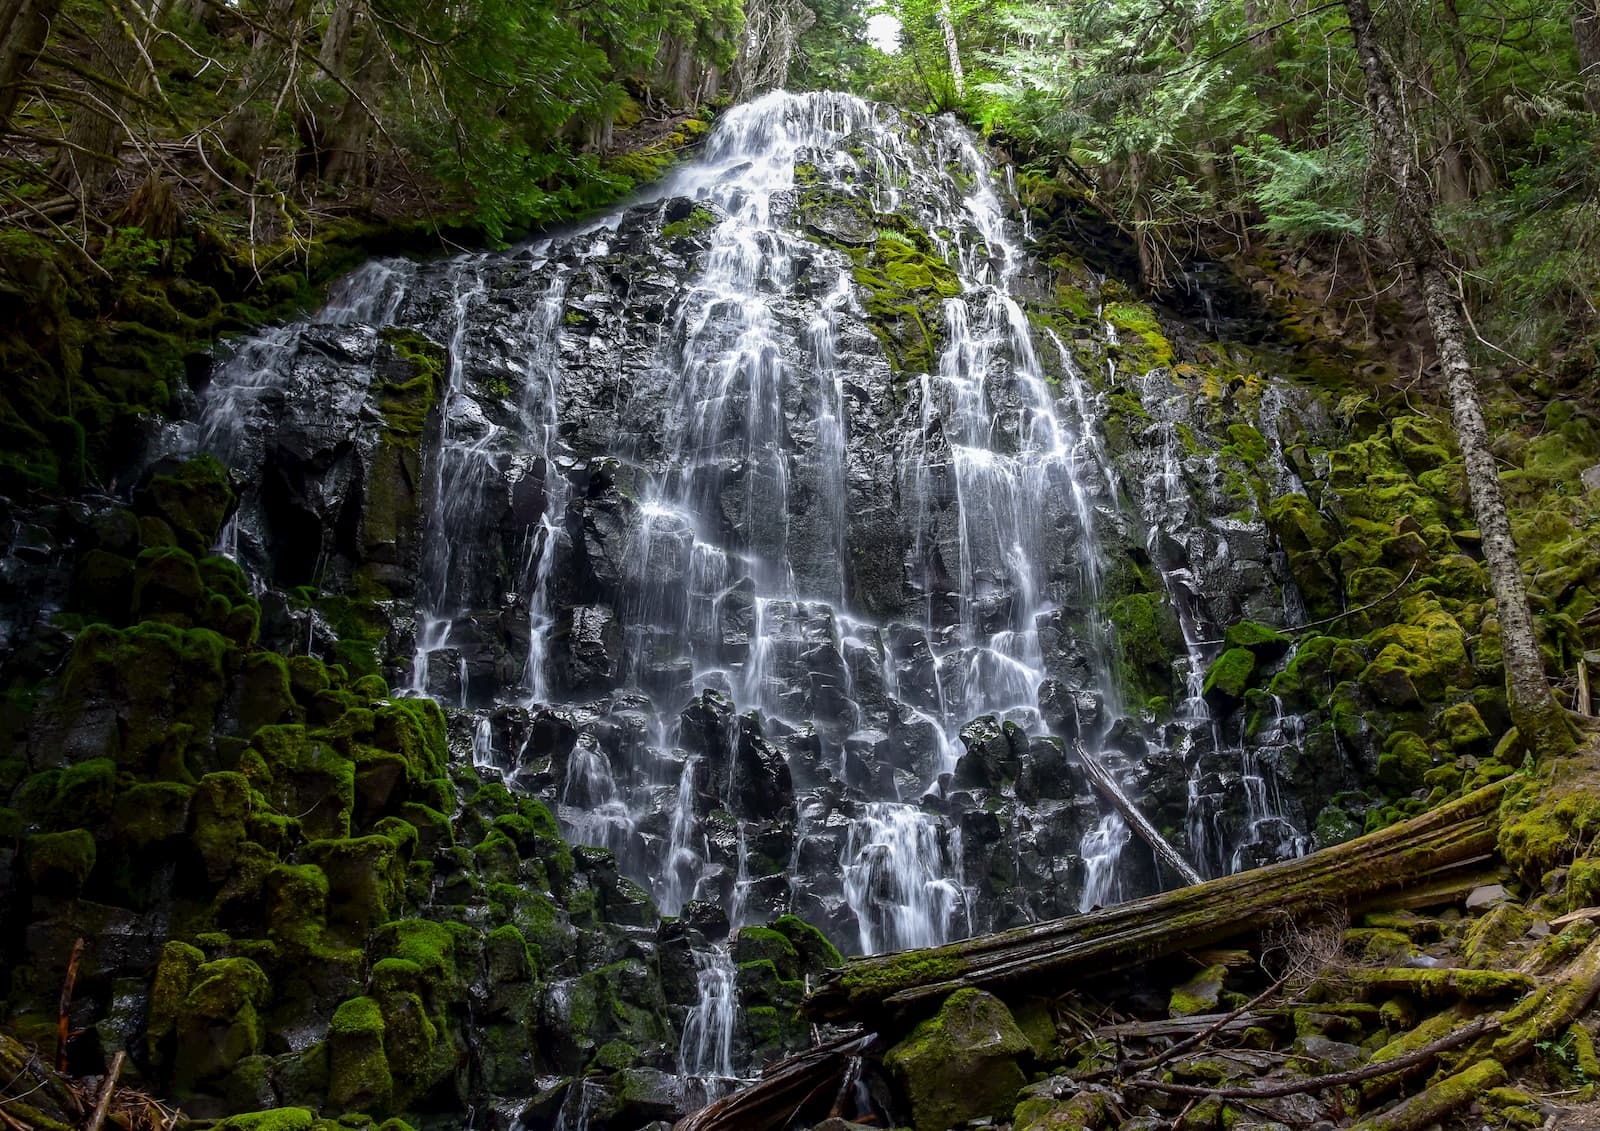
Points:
[[960, 1064]]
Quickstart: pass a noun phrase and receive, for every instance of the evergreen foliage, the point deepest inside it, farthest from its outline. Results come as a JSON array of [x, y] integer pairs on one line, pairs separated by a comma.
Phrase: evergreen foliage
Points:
[[1238, 124]]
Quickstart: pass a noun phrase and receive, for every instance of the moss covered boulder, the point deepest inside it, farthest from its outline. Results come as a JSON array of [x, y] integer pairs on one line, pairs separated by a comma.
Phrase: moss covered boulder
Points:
[[962, 1063]]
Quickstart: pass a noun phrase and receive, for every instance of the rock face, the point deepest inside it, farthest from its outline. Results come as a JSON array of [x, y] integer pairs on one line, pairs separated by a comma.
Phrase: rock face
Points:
[[807, 445], [606, 634]]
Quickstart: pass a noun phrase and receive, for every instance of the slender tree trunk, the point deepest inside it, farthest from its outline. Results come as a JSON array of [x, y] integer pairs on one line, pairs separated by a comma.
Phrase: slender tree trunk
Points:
[[1538, 718], [947, 25], [1586, 34], [1482, 169], [23, 26]]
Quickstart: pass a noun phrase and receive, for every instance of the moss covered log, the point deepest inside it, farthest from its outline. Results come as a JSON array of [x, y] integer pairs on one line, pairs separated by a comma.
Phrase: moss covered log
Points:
[[912, 981]]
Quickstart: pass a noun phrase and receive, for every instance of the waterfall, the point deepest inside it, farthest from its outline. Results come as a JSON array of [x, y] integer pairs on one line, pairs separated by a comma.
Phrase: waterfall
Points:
[[772, 505]]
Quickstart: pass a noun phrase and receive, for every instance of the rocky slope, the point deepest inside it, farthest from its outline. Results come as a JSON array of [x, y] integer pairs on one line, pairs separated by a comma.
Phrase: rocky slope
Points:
[[579, 647]]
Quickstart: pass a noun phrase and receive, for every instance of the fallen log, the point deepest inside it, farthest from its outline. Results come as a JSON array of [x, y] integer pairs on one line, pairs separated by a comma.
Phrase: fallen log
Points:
[[1557, 1003], [1429, 1107], [1174, 1026], [1109, 788], [785, 1089], [1052, 953]]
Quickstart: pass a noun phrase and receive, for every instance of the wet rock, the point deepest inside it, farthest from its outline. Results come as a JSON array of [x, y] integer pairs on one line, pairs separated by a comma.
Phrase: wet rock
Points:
[[588, 657]]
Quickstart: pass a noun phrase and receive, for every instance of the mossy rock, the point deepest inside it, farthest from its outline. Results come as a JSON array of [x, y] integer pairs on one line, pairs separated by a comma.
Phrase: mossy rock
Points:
[[297, 908], [59, 863], [1462, 728], [151, 813], [1199, 994], [364, 875], [1264, 642], [140, 695], [1142, 645], [358, 1078], [1140, 333], [84, 793], [816, 952], [1229, 675], [960, 1064], [193, 499], [219, 1023], [278, 1119], [1405, 760]]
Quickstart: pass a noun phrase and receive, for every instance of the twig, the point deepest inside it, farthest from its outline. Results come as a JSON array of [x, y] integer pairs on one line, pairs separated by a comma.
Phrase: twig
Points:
[[107, 1090], [1337, 1079]]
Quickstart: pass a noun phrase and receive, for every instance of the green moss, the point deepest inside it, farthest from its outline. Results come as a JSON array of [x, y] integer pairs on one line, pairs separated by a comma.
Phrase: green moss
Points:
[[84, 792], [1150, 347], [960, 1064], [815, 951], [278, 1119], [149, 813], [1230, 674], [406, 403], [872, 980], [168, 991], [615, 1055], [297, 904], [193, 501], [59, 863], [1462, 728], [168, 683], [1404, 762], [364, 879], [1264, 642], [1199, 994], [359, 1078], [219, 1023], [1440, 983], [754, 944], [1141, 657], [698, 220], [1548, 821]]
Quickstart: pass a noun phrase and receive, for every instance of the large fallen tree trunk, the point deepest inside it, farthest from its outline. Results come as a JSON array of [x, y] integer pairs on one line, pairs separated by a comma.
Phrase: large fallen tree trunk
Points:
[[786, 1089], [1111, 790], [1048, 954]]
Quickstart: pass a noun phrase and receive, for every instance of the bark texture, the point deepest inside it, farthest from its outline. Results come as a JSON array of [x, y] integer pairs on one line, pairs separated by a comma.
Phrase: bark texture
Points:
[[23, 24], [1586, 35]]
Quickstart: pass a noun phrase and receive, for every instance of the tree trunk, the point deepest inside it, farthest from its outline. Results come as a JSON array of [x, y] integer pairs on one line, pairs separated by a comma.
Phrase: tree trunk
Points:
[[87, 165], [23, 26], [947, 26], [345, 139], [1534, 711], [772, 28], [1586, 35], [267, 75], [1055, 952]]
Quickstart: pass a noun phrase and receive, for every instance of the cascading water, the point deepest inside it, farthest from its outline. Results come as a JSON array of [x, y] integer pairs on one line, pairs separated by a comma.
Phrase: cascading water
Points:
[[764, 535]]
